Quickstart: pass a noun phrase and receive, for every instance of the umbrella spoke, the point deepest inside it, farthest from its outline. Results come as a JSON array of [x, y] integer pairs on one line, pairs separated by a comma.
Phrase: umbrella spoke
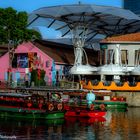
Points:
[[51, 23]]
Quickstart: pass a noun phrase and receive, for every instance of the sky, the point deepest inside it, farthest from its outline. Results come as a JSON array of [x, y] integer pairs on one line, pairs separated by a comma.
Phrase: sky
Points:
[[30, 5]]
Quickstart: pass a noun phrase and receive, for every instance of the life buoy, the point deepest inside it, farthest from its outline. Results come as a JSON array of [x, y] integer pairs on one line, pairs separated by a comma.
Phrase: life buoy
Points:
[[50, 107], [91, 107], [102, 107], [40, 105], [29, 104], [59, 106]]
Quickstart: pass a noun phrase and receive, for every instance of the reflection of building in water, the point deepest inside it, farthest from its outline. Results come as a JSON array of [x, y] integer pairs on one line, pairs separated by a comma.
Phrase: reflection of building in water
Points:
[[54, 132], [108, 117]]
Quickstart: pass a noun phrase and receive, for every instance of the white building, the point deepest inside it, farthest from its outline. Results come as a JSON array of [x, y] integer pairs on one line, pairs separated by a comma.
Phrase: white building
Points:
[[120, 57]]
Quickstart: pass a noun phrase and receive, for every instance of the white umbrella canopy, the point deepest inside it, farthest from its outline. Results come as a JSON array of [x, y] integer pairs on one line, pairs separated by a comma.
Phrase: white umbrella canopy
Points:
[[83, 23], [95, 19]]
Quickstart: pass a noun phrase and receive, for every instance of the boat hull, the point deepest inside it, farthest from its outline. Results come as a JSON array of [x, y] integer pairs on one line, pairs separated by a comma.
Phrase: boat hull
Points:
[[27, 113], [83, 113], [113, 104]]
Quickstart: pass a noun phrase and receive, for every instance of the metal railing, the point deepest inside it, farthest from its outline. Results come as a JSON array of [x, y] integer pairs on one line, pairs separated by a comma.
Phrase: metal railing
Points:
[[49, 85]]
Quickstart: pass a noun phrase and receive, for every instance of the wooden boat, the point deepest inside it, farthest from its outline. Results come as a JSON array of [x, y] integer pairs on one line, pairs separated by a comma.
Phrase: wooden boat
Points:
[[113, 102], [29, 106], [75, 108], [110, 104]]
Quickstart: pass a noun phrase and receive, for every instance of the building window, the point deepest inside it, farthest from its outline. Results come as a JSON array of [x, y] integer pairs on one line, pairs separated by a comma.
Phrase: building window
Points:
[[22, 60], [110, 56], [47, 64], [137, 57], [14, 62], [124, 57]]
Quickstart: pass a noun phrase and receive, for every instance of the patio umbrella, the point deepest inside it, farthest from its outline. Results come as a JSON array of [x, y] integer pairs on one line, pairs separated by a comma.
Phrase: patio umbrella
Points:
[[82, 23]]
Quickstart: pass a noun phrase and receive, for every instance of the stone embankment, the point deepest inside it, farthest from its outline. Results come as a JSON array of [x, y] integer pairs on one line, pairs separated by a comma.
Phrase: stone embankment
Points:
[[132, 98]]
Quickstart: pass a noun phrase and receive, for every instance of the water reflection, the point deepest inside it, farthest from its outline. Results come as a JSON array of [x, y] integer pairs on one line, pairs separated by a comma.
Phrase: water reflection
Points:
[[117, 125], [27, 129]]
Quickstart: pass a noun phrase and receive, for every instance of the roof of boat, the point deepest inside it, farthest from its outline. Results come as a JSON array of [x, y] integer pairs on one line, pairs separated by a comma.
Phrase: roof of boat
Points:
[[15, 94]]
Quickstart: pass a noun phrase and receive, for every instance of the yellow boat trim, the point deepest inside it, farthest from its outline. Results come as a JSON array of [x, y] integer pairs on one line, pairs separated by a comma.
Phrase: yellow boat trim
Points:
[[112, 86]]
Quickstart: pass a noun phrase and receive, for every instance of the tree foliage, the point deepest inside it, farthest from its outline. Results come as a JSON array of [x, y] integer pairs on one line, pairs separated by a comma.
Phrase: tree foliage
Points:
[[13, 27]]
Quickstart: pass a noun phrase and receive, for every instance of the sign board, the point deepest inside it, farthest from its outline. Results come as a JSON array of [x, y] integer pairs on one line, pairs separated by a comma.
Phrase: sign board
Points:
[[104, 46], [26, 70], [107, 98]]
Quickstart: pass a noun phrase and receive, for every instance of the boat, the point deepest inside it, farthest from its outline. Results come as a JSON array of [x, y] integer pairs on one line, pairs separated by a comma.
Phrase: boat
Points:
[[75, 108], [112, 102], [29, 106]]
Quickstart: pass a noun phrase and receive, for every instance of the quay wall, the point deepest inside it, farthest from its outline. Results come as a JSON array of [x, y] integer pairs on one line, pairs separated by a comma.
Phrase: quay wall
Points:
[[132, 98]]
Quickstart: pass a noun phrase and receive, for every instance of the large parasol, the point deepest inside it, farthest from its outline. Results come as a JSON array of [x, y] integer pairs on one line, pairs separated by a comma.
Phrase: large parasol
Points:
[[84, 22]]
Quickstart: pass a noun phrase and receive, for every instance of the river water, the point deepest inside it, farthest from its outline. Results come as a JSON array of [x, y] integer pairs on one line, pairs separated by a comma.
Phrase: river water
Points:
[[117, 125]]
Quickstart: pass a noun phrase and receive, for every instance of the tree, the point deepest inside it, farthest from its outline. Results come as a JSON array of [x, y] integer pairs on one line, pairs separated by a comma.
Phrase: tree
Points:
[[13, 30]]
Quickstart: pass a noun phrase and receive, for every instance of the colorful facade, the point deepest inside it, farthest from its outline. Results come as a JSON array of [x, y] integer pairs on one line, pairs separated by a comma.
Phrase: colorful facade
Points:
[[28, 56]]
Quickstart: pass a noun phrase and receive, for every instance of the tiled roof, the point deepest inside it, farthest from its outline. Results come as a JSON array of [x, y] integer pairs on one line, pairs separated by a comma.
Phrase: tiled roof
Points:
[[64, 54], [133, 37]]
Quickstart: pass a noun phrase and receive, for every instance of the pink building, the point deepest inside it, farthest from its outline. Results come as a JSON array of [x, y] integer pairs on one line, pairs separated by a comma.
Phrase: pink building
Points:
[[55, 59], [47, 56]]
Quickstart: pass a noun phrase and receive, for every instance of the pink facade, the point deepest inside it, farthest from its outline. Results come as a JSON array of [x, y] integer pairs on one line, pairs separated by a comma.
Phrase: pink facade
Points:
[[27, 48], [4, 64]]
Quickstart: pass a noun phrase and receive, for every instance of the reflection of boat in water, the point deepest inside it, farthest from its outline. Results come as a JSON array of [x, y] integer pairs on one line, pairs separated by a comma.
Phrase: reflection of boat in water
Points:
[[85, 113], [30, 129], [72, 120], [117, 109], [9, 122], [28, 106]]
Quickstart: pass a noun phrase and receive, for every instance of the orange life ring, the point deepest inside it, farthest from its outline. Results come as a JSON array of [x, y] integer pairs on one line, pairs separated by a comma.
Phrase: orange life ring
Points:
[[59, 106], [50, 107], [102, 107], [92, 107]]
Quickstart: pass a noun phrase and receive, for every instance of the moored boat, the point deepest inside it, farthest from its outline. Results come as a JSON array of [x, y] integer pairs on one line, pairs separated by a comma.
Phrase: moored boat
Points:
[[113, 102], [75, 107], [29, 106]]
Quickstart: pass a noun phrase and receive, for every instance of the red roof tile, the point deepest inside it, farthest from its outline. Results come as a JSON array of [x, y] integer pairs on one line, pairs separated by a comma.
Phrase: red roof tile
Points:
[[133, 37], [64, 54]]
